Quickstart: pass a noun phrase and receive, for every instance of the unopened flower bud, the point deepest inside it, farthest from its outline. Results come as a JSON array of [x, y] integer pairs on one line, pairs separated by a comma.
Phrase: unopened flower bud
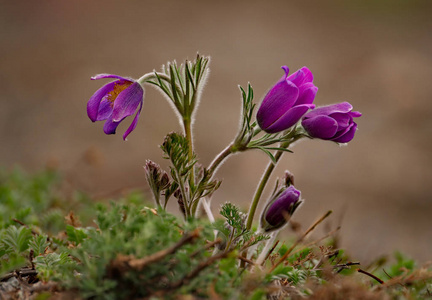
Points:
[[332, 122], [280, 208], [157, 179], [287, 101]]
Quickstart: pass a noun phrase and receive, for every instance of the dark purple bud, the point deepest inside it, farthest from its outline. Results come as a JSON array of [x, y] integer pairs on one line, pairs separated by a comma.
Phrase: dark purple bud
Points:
[[287, 101], [333, 122], [280, 209]]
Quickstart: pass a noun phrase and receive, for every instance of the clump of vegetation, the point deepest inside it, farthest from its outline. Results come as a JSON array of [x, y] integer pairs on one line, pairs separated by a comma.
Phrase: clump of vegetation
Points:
[[129, 251]]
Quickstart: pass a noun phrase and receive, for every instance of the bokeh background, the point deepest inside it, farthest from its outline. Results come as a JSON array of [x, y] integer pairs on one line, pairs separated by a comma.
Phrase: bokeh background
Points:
[[374, 54]]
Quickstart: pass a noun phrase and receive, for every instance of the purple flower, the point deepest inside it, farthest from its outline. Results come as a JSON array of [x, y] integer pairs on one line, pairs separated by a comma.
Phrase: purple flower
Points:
[[115, 101], [280, 208], [333, 122], [287, 101]]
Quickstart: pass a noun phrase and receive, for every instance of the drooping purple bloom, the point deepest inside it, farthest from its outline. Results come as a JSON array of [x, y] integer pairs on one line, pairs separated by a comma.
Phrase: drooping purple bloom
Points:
[[287, 101], [280, 208], [333, 122], [115, 101]]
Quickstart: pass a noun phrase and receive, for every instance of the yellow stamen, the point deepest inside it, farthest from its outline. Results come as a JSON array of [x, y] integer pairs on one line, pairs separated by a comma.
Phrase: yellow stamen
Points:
[[118, 88]]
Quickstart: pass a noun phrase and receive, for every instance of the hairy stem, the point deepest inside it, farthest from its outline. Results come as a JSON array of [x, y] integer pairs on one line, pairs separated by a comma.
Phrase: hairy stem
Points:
[[188, 135], [189, 138], [260, 189], [220, 158]]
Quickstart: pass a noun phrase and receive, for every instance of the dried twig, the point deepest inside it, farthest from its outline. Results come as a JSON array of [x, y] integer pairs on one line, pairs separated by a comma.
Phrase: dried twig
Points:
[[317, 241], [300, 239], [25, 225], [246, 260], [19, 273], [270, 252], [123, 262], [345, 266], [198, 269], [370, 275], [206, 247]]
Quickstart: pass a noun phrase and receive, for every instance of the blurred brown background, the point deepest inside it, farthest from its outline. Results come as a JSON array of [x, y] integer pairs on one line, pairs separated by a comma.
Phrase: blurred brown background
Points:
[[374, 54]]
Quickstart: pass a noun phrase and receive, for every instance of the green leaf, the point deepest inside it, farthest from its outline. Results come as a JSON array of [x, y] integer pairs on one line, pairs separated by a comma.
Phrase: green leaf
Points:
[[279, 149], [232, 215], [283, 249], [16, 239], [14, 262], [269, 154], [38, 244], [259, 294], [75, 235]]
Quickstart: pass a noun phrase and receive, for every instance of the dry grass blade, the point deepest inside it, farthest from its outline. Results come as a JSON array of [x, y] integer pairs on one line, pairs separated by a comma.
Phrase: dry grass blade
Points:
[[300, 239]]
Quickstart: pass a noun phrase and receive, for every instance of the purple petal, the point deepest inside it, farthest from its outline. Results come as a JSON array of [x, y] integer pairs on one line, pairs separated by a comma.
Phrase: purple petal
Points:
[[300, 77], [94, 102], [105, 110], [355, 114], [127, 102], [307, 93], [348, 136], [134, 122], [289, 118], [343, 107], [101, 76], [275, 214], [110, 126], [343, 120], [322, 127], [284, 77], [342, 131], [277, 102]]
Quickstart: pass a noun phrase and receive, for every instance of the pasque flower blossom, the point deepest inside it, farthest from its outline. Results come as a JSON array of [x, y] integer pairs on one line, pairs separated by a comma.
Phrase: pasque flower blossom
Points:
[[287, 101], [115, 101], [333, 122], [280, 208]]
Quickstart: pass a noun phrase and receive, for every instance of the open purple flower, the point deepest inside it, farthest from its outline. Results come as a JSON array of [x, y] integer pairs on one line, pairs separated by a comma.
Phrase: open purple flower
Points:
[[115, 101], [333, 122], [287, 101], [280, 209]]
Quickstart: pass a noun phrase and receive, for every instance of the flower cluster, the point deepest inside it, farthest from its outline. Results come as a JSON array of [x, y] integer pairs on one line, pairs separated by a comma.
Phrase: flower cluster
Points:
[[289, 100]]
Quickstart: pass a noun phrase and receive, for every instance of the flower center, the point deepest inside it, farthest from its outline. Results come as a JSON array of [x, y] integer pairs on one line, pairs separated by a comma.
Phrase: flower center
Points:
[[119, 87]]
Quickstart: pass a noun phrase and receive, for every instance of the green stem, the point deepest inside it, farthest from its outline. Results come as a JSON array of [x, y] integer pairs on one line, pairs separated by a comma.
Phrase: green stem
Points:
[[261, 187], [189, 138], [220, 158], [188, 135]]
